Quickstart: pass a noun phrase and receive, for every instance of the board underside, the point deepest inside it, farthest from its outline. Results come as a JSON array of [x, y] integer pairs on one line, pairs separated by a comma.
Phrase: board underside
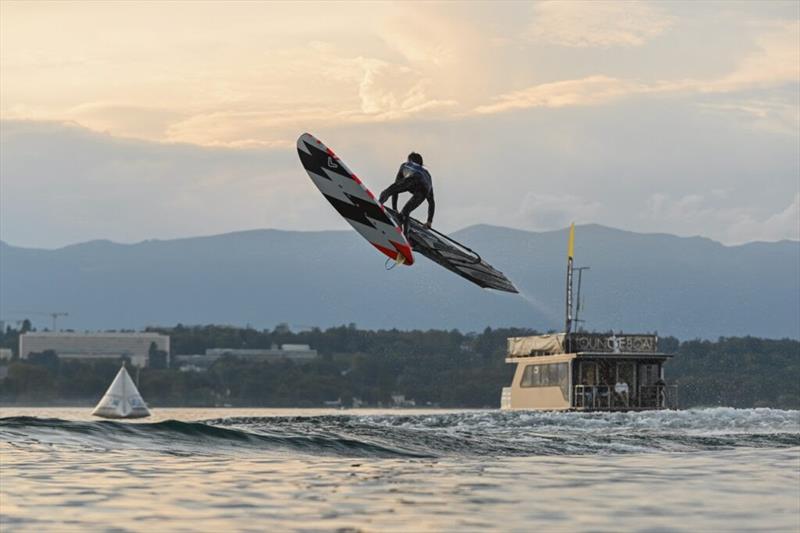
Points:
[[351, 199]]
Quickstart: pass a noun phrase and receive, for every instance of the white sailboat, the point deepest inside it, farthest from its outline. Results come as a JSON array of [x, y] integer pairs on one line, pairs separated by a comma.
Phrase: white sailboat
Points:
[[122, 399]]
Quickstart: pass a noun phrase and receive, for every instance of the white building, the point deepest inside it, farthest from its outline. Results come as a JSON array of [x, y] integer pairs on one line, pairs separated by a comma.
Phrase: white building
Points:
[[136, 346], [294, 352], [298, 353], [297, 348], [6, 354]]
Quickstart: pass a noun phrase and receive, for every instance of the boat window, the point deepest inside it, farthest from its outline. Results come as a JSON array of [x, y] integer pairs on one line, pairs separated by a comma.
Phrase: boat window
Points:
[[531, 377], [563, 379], [588, 373], [605, 373], [549, 375], [648, 374]]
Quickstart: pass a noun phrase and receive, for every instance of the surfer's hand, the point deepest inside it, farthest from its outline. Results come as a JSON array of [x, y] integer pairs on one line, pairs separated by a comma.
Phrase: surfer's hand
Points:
[[428, 225]]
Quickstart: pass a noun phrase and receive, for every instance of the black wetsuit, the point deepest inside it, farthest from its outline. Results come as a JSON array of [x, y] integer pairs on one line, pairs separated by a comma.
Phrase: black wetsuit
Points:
[[417, 180]]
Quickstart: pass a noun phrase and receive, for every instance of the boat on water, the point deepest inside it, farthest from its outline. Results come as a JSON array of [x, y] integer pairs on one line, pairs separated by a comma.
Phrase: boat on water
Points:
[[587, 371], [122, 399]]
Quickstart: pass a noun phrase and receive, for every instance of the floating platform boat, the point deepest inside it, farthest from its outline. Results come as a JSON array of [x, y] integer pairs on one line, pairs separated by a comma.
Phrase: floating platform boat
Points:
[[587, 371]]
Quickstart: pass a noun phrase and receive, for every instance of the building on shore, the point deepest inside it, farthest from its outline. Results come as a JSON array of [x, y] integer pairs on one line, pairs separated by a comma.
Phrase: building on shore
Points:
[[293, 352], [399, 400], [6, 354], [298, 353], [107, 345]]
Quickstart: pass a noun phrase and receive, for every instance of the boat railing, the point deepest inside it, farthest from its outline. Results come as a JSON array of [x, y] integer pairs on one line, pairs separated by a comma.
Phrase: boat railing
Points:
[[658, 397], [593, 397], [605, 397]]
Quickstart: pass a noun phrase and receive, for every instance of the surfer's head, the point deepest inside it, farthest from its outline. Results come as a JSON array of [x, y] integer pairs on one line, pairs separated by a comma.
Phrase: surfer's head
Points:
[[414, 157]]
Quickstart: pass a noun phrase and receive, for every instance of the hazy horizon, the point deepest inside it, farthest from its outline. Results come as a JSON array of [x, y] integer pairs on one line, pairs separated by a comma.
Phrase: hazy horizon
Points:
[[347, 230]]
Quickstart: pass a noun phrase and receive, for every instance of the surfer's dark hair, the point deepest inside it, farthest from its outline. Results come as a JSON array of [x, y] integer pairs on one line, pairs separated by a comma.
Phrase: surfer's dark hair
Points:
[[414, 157]]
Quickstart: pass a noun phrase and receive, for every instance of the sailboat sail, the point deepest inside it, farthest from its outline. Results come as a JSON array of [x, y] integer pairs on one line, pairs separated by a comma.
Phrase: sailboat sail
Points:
[[122, 399]]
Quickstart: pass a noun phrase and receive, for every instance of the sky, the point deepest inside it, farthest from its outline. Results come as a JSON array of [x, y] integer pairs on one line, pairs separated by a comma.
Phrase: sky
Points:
[[143, 120]]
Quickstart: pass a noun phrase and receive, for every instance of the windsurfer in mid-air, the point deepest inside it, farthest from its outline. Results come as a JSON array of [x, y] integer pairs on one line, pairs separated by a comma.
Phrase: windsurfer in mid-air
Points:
[[379, 226], [414, 178]]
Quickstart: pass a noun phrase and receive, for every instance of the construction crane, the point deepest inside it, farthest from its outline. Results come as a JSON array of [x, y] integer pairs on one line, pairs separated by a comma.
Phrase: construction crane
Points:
[[52, 314], [55, 316]]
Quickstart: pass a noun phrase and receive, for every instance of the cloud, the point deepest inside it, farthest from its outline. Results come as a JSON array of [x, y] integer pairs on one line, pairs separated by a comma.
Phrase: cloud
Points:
[[252, 112], [784, 224], [597, 23], [247, 129], [599, 107], [540, 211], [774, 64], [385, 92], [591, 90], [423, 38], [776, 115], [775, 61], [125, 120], [430, 61], [392, 92], [62, 183], [739, 224]]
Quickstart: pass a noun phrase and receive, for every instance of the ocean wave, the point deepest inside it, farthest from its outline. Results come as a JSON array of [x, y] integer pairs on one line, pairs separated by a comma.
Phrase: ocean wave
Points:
[[180, 438], [470, 433]]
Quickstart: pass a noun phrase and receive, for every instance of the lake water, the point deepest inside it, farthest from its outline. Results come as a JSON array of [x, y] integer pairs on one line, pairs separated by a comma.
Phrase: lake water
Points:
[[361, 470]]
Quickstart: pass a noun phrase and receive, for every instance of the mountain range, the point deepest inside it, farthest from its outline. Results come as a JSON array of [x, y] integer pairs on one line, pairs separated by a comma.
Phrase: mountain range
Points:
[[689, 287]]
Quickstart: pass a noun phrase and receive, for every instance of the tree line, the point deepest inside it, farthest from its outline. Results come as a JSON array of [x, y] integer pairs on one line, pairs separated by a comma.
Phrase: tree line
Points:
[[434, 367]]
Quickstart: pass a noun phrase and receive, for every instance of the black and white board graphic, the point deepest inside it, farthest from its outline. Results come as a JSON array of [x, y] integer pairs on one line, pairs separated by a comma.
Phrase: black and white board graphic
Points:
[[348, 195]]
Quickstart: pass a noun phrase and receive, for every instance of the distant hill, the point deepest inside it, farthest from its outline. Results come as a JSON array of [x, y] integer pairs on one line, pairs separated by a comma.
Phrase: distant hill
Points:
[[687, 287]]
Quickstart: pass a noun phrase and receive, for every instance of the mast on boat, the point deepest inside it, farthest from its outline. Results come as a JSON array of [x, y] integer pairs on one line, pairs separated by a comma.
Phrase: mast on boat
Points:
[[570, 254]]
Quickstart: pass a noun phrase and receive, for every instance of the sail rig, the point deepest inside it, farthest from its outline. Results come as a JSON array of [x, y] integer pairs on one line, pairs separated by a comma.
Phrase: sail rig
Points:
[[454, 256]]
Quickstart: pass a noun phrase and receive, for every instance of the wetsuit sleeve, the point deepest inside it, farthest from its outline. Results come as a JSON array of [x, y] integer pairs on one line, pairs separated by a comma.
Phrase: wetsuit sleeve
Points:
[[431, 206], [395, 188], [397, 179]]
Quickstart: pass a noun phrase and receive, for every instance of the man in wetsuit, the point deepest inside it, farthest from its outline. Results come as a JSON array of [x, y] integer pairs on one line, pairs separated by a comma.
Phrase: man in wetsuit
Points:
[[414, 178]]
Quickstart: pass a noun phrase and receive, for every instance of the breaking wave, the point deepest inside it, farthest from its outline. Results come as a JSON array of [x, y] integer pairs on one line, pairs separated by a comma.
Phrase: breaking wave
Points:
[[440, 435]]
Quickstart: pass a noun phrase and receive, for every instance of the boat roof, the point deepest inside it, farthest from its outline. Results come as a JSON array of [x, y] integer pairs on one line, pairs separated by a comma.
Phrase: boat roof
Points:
[[563, 357], [627, 355], [586, 345]]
